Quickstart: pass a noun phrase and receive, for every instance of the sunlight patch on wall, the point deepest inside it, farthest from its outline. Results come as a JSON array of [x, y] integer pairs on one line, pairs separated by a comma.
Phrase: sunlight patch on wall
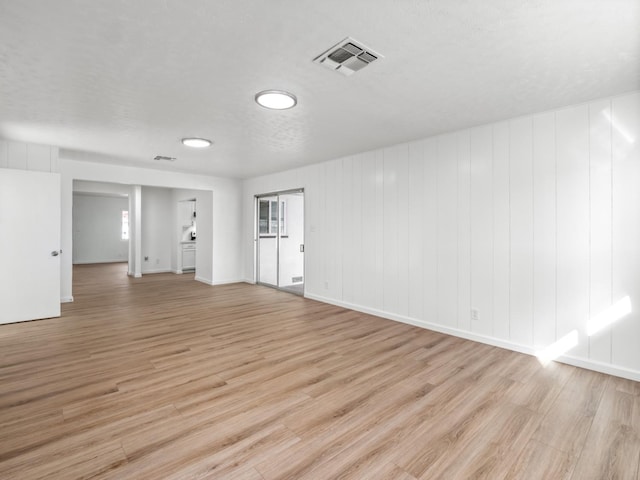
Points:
[[612, 314], [621, 130]]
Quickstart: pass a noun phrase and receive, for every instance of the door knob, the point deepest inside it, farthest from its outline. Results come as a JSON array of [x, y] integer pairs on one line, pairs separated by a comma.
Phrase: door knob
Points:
[[55, 253]]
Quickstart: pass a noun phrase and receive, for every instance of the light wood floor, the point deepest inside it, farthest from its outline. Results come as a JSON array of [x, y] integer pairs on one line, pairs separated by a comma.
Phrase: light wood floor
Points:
[[166, 378]]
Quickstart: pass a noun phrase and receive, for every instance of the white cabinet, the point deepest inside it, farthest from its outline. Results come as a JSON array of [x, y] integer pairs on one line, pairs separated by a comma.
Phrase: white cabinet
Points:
[[188, 256]]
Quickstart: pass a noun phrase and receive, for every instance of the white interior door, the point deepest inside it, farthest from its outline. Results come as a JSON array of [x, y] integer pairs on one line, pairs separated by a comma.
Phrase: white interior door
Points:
[[29, 245]]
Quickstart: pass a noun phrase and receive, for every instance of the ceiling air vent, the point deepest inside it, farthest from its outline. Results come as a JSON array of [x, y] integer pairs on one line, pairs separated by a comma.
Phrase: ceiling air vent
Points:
[[162, 157], [347, 57]]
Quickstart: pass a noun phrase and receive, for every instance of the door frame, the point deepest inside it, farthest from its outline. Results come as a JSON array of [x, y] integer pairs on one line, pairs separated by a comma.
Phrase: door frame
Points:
[[256, 239]]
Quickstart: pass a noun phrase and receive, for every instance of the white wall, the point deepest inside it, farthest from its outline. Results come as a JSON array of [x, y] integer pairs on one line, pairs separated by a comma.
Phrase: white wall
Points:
[[157, 229], [135, 231], [218, 259], [531, 221], [113, 189], [27, 156], [97, 228]]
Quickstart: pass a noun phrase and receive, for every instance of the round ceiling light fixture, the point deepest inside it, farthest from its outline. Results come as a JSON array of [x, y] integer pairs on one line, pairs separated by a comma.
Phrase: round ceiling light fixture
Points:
[[195, 142], [276, 99]]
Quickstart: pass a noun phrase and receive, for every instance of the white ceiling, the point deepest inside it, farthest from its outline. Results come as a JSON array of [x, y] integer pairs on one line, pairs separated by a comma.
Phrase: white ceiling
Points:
[[122, 81]]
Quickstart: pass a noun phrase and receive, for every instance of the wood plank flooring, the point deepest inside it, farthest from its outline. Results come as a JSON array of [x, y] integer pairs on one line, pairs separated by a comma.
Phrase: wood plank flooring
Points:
[[163, 377]]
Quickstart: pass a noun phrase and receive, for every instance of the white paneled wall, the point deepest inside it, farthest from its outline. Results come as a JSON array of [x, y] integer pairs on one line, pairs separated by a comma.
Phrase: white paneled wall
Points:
[[533, 222], [624, 118], [27, 156]]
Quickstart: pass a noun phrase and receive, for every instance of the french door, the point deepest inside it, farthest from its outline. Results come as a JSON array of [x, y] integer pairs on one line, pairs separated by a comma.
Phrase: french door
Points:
[[280, 240]]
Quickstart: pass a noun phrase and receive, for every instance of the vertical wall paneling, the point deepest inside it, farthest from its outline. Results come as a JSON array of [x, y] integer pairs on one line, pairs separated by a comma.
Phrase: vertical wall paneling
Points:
[[349, 266], [430, 230], [501, 247], [356, 238], [333, 186], [17, 155], [521, 230], [378, 230], [572, 143], [544, 233], [447, 253], [625, 121], [27, 156], [369, 230], [322, 234], [4, 159], [481, 165], [600, 224], [39, 158], [402, 169], [417, 241], [391, 288], [464, 231], [531, 224], [55, 159], [312, 248]]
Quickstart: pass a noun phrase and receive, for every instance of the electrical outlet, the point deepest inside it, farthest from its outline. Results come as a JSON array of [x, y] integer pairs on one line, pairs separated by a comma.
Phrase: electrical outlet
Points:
[[326, 285], [475, 315], [157, 261]]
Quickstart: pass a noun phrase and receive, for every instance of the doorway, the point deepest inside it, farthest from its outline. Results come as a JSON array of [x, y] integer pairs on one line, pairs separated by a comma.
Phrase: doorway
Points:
[[280, 240]]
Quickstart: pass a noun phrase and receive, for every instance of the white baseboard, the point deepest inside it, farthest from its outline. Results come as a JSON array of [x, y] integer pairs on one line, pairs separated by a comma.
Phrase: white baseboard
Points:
[[249, 281], [496, 342], [227, 282], [66, 299], [91, 262], [208, 281], [158, 270]]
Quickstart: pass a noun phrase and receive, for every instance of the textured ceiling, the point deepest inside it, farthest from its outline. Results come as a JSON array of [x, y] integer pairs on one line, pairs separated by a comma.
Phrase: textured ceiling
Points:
[[122, 81]]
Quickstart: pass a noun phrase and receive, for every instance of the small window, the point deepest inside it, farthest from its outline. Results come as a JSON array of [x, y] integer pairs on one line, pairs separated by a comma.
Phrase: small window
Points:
[[125, 225], [268, 220]]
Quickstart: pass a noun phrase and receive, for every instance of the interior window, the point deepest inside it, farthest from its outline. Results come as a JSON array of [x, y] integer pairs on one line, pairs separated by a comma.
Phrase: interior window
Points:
[[268, 220]]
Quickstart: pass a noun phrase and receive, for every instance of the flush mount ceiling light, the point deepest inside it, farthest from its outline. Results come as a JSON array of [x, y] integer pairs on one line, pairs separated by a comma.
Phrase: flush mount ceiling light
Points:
[[276, 99], [196, 142]]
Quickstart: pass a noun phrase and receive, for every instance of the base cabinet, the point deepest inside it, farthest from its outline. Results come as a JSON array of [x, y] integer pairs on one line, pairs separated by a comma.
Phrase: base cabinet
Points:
[[188, 257]]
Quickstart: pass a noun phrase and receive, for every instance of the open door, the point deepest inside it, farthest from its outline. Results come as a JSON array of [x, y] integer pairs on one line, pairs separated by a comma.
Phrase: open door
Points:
[[30, 240]]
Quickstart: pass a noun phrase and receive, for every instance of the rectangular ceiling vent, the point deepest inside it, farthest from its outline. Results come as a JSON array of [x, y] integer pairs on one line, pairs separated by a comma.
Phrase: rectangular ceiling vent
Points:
[[162, 157], [347, 57]]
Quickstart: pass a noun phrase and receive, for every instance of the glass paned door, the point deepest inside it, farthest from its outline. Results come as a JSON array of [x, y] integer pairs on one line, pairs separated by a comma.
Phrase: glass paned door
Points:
[[268, 240], [280, 240]]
